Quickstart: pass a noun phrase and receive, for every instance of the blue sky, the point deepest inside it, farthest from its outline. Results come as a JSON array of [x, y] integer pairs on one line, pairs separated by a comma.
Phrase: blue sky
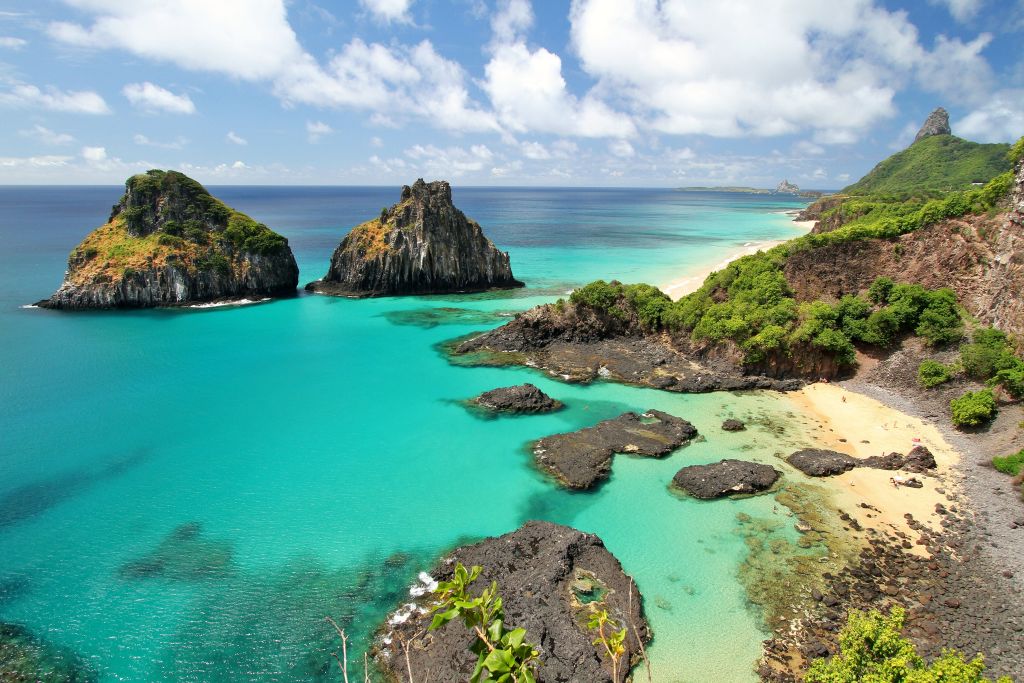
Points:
[[496, 92]]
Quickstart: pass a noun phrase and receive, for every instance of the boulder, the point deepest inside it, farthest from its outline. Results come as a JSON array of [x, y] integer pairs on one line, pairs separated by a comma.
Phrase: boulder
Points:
[[733, 425], [421, 245], [919, 460], [581, 459], [818, 462], [524, 398], [725, 478], [169, 242], [550, 578]]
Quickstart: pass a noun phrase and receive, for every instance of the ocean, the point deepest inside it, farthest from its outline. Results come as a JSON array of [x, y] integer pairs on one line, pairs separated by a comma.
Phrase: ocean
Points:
[[186, 494]]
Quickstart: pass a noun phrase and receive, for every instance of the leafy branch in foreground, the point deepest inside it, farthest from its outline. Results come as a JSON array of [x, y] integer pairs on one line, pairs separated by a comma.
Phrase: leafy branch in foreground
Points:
[[610, 637], [873, 649], [503, 656]]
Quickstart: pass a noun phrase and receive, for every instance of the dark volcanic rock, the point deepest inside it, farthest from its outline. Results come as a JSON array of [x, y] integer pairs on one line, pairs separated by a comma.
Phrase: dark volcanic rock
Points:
[[26, 658], [169, 242], [549, 577], [725, 478], [580, 459], [937, 123], [919, 460], [818, 462], [733, 425], [421, 245], [524, 398]]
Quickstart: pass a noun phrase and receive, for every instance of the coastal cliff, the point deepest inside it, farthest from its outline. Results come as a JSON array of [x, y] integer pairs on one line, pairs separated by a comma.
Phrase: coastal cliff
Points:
[[421, 245], [551, 578], [169, 242]]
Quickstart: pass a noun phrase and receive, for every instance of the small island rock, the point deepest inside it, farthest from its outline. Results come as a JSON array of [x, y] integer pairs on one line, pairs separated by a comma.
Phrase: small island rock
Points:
[[725, 478], [818, 462], [549, 577], [524, 398], [169, 242], [733, 425], [581, 459], [421, 245]]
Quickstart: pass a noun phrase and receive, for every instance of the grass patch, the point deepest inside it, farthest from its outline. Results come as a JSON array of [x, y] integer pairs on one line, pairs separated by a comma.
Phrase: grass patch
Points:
[[1012, 465]]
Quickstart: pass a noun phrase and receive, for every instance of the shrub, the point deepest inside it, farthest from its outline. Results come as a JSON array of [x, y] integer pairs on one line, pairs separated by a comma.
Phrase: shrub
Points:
[[974, 408], [771, 338], [1011, 379], [838, 343], [1010, 464], [988, 353], [872, 649], [939, 322], [215, 262], [598, 295], [932, 373], [246, 234], [650, 304], [881, 328]]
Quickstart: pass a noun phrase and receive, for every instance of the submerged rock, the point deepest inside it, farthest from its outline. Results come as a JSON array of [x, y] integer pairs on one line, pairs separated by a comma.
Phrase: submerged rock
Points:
[[421, 245], [550, 577], [818, 462], [184, 555], [725, 478], [524, 398], [733, 425], [24, 657], [169, 242], [581, 459]]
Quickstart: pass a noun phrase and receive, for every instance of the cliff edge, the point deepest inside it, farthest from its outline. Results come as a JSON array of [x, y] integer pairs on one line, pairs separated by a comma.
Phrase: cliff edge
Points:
[[421, 245]]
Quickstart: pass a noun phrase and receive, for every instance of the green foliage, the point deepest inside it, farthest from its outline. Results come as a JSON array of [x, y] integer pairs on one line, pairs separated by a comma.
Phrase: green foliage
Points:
[[170, 241], [931, 373], [1011, 379], [215, 262], [1009, 464], [872, 650], [610, 637], [974, 408], [650, 304], [932, 166], [988, 353], [599, 295], [940, 322], [248, 235], [503, 655], [1016, 152]]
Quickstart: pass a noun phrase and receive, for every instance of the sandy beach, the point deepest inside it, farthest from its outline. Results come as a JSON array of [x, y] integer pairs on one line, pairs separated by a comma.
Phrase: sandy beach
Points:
[[682, 286], [860, 426]]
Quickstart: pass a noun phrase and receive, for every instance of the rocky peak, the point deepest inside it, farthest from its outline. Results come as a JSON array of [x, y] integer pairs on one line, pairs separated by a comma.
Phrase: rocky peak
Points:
[[438, 191], [786, 186], [937, 123], [157, 198]]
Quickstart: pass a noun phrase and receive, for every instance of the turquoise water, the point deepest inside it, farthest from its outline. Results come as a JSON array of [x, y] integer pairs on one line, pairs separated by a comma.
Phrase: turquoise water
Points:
[[321, 447]]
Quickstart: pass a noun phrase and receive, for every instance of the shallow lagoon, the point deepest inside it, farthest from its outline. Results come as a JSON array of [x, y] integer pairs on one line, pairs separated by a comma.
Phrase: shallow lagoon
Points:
[[320, 446]]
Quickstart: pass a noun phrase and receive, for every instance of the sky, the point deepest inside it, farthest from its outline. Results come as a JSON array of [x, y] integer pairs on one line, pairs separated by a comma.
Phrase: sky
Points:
[[645, 93]]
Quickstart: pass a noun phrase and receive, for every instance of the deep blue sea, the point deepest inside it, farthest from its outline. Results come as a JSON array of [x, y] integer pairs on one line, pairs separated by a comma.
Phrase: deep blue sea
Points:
[[315, 453]]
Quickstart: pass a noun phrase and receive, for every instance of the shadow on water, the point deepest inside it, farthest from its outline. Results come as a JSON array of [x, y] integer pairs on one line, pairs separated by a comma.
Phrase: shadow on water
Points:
[[429, 318], [13, 588], [36, 498], [184, 555], [273, 622]]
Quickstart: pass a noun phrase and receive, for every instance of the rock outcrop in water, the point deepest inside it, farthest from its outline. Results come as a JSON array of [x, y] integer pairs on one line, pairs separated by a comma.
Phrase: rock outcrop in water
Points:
[[549, 577], [819, 462], [169, 242], [524, 398], [937, 123], [581, 459], [24, 657], [421, 245], [725, 478]]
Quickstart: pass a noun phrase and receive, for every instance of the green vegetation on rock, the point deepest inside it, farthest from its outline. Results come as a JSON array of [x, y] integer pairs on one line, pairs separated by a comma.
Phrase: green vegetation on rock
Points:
[[933, 166], [1010, 464], [974, 408], [933, 373], [872, 650]]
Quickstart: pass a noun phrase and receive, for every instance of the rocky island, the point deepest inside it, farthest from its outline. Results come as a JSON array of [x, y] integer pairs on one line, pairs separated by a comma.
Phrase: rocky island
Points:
[[169, 242], [727, 477], [521, 399], [551, 578], [421, 245]]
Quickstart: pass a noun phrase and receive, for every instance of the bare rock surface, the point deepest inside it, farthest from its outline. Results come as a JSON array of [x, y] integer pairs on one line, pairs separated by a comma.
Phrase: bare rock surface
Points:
[[524, 398], [725, 478], [937, 123]]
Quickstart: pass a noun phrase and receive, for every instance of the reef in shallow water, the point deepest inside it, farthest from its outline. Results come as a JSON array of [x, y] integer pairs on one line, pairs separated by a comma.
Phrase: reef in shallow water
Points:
[[184, 555], [25, 658]]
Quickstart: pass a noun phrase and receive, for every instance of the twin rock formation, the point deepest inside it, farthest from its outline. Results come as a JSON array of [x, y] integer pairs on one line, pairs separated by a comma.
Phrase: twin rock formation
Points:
[[169, 242]]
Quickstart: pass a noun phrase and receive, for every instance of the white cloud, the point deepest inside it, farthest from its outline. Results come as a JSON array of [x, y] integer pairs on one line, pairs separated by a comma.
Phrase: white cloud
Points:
[[529, 93], [316, 130], [46, 161], [140, 139], [376, 142], [388, 10], [819, 174], [763, 69], [511, 19], [11, 43], [46, 136], [235, 139], [447, 162], [73, 101], [153, 98], [534, 150], [808, 148], [961, 10], [1000, 119], [622, 149], [94, 154]]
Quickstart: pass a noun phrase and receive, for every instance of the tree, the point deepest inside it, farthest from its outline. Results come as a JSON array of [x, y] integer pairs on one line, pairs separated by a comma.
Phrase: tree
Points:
[[974, 408]]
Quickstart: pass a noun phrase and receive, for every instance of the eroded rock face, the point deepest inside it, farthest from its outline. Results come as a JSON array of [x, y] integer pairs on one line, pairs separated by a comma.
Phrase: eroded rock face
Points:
[[421, 245], [937, 123], [549, 577], [725, 478], [819, 462], [582, 459], [524, 398], [169, 242]]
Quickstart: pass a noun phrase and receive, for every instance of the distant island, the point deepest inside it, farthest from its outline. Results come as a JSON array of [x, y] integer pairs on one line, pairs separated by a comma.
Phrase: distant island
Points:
[[784, 187]]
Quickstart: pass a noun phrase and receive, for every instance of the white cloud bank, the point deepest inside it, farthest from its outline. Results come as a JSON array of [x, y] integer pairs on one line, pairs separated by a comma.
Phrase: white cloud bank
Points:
[[54, 99], [153, 98]]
